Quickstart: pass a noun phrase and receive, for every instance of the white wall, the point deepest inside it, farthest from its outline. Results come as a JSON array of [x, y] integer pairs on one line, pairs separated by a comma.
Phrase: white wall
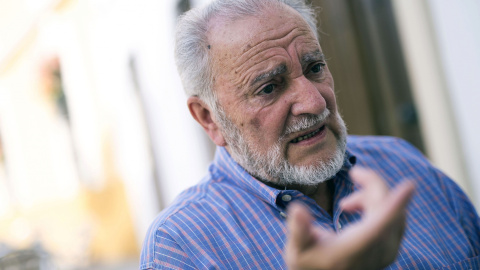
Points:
[[440, 40], [457, 29]]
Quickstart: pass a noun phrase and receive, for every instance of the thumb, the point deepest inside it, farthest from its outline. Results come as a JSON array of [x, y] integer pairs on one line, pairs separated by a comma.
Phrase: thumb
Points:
[[300, 227], [300, 235]]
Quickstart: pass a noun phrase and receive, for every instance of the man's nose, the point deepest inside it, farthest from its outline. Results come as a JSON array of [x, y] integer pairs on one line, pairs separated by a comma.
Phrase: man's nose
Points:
[[307, 99]]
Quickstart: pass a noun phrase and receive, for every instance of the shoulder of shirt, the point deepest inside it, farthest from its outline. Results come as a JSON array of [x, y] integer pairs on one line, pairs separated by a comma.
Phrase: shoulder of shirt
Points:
[[356, 140], [359, 145], [196, 195], [162, 230], [391, 157], [391, 151]]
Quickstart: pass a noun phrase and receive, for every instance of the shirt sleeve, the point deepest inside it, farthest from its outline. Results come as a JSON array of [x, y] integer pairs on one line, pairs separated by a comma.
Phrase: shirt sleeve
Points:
[[464, 209], [163, 252]]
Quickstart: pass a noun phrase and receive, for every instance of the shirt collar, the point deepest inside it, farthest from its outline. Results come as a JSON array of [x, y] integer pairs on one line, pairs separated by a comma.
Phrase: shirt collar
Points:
[[236, 175]]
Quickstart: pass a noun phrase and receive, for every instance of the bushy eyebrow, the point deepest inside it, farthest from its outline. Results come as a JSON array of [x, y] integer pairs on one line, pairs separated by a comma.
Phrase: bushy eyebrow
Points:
[[312, 57], [270, 74], [305, 60]]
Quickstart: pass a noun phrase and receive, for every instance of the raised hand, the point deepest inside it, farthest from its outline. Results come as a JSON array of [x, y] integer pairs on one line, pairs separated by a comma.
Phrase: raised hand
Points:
[[371, 243]]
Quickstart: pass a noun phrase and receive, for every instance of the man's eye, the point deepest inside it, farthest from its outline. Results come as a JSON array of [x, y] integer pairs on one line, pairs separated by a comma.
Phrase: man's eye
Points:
[[267, 89], [317, 68]]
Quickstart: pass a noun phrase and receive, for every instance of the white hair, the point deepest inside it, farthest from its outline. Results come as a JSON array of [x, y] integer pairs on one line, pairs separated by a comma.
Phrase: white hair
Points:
[[192, 48]]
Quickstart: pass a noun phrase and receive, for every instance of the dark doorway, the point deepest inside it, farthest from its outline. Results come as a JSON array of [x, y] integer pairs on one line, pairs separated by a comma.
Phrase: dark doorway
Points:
[[361, 43]]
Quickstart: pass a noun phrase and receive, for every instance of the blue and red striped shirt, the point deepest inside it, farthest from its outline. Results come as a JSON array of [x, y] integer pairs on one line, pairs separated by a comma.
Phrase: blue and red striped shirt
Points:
[[230, 220]]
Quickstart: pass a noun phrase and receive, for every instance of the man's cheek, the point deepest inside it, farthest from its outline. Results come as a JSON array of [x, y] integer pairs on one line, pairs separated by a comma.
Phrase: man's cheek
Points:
[[255, 123]]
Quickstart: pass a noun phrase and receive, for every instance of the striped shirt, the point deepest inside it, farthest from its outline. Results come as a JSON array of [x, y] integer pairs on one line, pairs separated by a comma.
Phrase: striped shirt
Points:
[[230, 220]]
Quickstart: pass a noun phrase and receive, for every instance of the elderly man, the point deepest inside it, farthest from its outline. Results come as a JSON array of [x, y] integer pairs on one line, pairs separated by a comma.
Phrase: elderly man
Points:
[[259, 86]]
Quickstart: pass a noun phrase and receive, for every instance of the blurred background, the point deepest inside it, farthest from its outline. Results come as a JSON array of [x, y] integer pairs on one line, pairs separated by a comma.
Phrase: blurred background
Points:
[[96, 138]]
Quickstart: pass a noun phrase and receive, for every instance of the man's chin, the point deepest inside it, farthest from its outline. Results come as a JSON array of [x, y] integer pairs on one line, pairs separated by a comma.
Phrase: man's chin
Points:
[[319, 172]]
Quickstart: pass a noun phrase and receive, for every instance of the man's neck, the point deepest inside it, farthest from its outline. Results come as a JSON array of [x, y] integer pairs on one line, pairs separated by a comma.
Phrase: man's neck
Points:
[[322, 193], [324, 196]]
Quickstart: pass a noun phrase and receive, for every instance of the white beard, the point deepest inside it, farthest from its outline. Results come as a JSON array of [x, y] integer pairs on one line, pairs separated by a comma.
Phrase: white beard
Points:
[[272, 166]]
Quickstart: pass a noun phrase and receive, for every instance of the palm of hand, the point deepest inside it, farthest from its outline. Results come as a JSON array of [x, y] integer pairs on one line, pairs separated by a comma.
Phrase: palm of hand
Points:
[[372, 243]]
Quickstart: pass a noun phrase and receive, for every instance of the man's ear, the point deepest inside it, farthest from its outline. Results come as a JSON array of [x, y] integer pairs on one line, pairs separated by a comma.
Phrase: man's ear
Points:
[[202, 114]]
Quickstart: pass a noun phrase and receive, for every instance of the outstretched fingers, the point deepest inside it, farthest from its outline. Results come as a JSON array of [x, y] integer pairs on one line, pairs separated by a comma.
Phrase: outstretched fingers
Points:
[[374, 193], [371, 243]]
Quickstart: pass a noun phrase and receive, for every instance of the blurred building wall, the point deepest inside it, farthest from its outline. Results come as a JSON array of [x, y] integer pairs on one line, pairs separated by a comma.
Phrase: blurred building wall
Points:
[[59, 171], [97, 174]]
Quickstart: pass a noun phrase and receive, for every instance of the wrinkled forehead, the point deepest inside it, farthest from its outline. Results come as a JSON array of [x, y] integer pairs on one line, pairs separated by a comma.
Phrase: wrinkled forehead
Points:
[[231, 40], [245, 29]]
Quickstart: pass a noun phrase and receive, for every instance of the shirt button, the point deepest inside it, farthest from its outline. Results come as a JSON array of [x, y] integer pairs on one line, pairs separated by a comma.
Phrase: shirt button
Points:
[[286, 198], [283, 214], [339, 225]]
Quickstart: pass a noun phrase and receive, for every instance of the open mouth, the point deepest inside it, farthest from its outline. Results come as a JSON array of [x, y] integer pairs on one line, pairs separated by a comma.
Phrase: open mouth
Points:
[[308, 136]]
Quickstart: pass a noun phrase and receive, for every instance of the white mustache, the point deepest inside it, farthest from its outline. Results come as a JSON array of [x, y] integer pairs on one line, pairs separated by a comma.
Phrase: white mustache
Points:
[[306, 122]]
